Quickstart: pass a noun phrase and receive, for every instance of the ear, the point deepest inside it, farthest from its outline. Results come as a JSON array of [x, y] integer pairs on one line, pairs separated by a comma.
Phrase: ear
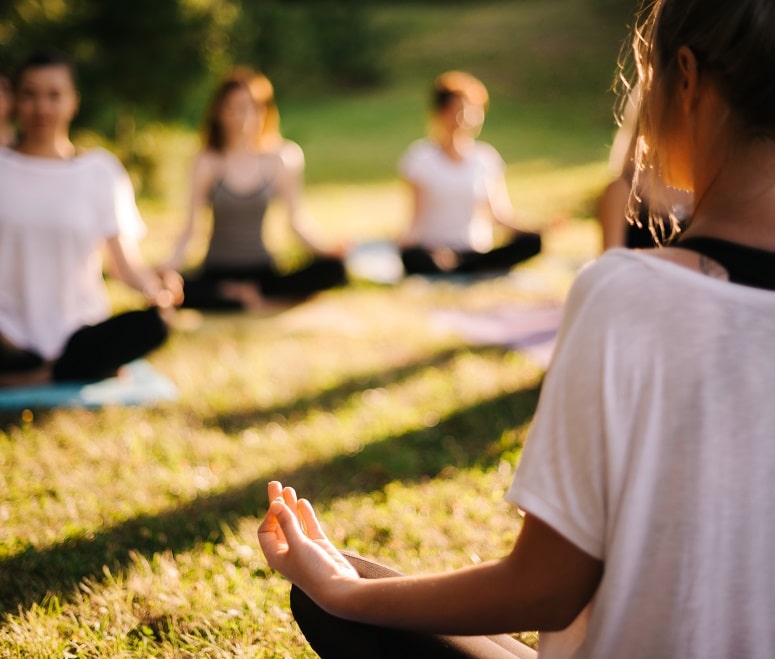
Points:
[[688, 78]]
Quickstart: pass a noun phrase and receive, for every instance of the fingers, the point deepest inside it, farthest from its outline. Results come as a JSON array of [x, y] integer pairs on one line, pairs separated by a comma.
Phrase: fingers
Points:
[[279, 532], [290, 498], [165, 299], [269, 525], [285, 495], [274, 489], [288, 522], [309, 520], [286, 515], [272, 540], [173, 284]]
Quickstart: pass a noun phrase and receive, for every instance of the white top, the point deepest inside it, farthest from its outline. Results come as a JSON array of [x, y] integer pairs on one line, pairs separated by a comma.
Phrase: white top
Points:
[[55, 216], [454, 195], [653, 449]]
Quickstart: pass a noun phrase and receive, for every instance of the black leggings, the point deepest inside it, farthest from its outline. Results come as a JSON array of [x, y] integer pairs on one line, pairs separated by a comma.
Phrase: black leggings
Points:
[[419, 260], [95, 352], [204, 290], [333, 637]]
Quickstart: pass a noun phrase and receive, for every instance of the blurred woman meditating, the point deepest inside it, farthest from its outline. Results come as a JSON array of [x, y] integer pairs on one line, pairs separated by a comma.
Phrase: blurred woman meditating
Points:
[[458, 189], [244, 166], [59, 209]]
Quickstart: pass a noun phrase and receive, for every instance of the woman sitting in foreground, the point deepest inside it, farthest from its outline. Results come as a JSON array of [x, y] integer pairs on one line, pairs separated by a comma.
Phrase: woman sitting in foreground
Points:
[[647, 477]]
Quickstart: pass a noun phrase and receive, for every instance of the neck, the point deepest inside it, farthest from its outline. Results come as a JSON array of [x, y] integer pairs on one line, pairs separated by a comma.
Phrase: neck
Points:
[[59, 147], [457, 145], [240, 142], [6, 136], [738, 202]]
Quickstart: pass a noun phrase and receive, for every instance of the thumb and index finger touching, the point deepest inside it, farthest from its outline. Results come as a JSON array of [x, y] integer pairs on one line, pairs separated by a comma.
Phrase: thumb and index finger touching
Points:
[[293, 539], [287, 521]]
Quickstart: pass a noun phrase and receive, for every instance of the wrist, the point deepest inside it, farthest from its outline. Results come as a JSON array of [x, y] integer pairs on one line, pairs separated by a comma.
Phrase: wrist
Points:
[[151, 293], [339, 597], [156, 294]]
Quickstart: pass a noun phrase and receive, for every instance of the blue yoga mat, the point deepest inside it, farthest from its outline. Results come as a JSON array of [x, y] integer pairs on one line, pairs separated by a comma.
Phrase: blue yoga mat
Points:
[[139, 384]]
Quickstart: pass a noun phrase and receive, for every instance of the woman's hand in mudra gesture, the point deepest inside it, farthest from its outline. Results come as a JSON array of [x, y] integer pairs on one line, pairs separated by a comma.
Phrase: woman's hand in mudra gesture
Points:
[[296, 546]]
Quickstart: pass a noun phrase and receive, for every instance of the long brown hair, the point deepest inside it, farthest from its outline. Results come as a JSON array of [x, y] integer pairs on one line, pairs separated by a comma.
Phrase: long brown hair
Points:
[[259, 87], [734, 44]]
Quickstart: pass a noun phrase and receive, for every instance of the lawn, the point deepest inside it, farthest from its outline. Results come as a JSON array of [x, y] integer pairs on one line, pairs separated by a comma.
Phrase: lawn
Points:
[[132, 531]]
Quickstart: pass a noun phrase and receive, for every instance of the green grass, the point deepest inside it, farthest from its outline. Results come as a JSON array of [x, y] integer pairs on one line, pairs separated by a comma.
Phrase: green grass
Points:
[[131, 532]]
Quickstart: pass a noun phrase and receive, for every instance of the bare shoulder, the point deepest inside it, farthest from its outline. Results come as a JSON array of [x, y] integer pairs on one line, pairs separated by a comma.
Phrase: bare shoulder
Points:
[[692, 260], [614, 197], [205, 165], [292, 156], [207, 159]]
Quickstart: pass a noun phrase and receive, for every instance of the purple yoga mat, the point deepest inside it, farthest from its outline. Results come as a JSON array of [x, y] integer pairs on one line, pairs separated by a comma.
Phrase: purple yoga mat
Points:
[[531, 329]]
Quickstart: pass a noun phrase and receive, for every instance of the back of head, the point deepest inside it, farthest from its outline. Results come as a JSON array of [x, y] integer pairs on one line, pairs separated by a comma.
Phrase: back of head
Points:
[[734, 43], [734, 46]]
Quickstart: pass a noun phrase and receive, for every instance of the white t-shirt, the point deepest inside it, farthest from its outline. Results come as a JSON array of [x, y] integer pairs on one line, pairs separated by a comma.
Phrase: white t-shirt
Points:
[[55, 216], [653, 450], [453, 195]]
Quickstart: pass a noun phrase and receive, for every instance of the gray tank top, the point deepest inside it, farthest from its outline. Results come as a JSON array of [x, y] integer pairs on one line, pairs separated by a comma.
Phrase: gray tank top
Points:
[[238, 220]]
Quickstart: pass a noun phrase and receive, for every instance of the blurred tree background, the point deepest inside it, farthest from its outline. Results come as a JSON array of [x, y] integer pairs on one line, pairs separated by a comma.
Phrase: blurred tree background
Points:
[[150, 59], [152, 62], [145, 61]]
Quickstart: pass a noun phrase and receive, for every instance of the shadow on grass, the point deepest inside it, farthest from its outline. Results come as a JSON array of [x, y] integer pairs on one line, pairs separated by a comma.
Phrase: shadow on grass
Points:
[[234, 420], [470, 437]]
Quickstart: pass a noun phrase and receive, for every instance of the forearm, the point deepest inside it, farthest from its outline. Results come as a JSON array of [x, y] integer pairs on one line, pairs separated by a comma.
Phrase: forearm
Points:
[[202, 181], [175, 261], [542, 584], [301, 229], [500, 206], [611, 213], [127, 265], [482, 599], [504, 214], [140, 278]]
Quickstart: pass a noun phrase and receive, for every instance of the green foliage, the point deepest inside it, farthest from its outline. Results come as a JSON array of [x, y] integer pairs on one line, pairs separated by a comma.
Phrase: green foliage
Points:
[[136, 58], [310, 46], [143, 60], [620, 8]]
